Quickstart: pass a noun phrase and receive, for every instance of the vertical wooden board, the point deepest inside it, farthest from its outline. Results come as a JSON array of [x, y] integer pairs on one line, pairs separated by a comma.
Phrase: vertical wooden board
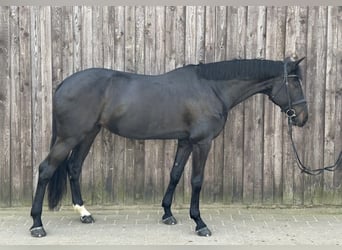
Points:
[[159, 68], [45, 98], [210, 39], [296, 33], [170, 61], [36, 94], [272, 181], [200, 34], [190, 35], [288, 163], [5, 101], [25, 103], [69, 39], [97, 61], [119, 142], [108, 153], [85, 19], [68, 42], [139, 145], [338, 107], [46, 72], [57, 45], [57, 57], [77, 38], [234, 129], [331, 109], [129, 67], [151, 147], [181, 194], [16, 170], [316, 66], [72, 62], [254, 141], [190, 58], [220, 55]]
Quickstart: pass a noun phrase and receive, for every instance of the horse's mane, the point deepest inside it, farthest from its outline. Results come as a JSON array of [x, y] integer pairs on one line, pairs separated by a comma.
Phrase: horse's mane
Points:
[[241, 69]]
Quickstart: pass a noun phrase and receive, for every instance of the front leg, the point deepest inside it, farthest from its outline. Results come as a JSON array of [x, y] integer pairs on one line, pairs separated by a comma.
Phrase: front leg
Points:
[[200, 154]]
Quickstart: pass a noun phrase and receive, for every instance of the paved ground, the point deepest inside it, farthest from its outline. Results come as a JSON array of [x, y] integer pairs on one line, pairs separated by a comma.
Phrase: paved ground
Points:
[[142, 226]]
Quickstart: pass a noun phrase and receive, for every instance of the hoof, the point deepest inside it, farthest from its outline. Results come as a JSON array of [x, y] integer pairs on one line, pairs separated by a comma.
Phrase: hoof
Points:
[[38, 232], [87, 219], [170, 221], [204, 232]]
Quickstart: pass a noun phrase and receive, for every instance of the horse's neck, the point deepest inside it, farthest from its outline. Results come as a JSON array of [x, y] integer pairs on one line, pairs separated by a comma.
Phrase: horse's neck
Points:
[[235, 92]]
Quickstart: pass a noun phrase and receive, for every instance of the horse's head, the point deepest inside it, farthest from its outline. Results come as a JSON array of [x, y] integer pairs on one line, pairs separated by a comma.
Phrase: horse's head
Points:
[[288, 93]]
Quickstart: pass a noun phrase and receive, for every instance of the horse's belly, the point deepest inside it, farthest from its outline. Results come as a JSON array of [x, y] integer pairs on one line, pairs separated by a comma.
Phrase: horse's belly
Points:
[[137, 127]]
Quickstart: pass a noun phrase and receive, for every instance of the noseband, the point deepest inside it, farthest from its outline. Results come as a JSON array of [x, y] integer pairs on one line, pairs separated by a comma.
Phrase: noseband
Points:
[[288, 109]]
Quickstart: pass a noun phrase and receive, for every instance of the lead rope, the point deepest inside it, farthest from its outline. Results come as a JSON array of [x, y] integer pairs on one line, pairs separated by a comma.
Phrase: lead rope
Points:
[[305, 169]]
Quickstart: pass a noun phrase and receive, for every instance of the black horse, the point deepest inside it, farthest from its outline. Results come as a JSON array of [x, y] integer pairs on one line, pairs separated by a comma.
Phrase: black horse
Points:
[[189, 104]]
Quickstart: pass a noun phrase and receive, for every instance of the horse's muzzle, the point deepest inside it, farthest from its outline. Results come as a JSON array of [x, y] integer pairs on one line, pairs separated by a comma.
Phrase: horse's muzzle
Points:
[[301, 118]]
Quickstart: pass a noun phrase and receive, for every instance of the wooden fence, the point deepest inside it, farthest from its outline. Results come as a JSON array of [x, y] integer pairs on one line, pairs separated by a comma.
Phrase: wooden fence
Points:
[[251, 162]]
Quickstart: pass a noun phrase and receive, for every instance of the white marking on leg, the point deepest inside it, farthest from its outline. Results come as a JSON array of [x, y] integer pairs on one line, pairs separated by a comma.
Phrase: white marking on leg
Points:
[[81, 210]]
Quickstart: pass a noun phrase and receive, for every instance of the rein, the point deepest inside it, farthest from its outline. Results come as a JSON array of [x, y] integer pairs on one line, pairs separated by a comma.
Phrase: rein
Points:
[[291, 113]]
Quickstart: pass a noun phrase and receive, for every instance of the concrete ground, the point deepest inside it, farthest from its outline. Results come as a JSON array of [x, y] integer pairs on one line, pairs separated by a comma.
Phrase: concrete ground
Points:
[[141, 225]]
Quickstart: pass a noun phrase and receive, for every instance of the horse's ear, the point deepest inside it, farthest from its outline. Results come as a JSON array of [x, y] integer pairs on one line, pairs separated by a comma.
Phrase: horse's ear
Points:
[[299, 61]]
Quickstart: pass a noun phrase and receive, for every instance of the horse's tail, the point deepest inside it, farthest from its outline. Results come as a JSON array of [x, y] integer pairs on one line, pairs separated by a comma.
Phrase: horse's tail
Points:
[[58, 183]]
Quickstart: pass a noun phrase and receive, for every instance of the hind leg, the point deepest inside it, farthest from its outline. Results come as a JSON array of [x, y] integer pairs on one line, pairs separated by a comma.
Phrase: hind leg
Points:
[[57, 154], [76, 160], [184, 150]]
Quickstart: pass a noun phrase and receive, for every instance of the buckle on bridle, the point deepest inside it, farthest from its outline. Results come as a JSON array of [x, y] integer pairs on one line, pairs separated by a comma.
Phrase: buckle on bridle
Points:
[[291, 113]]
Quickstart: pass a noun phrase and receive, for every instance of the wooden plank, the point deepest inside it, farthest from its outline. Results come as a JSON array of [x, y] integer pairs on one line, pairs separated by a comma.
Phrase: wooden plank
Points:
[[170, 60], [333, 110], [67, 56], [5, 101], [234, 133], [108, 139], [36, 93], [329, 111], [330, 114], [16, 175], [85, 51], [57, 32], [97, 61], [314, 139], [139, 145], [77, 44], [16, 170], [293, 182], [119, 142], [218, 149], [254, 111], [190, 58], [25, 104], [210, 39], [338, 105], [159, 68], [129, 67], [152, 151], [69, 40], [57, 45], [272, 181], [181, 195]]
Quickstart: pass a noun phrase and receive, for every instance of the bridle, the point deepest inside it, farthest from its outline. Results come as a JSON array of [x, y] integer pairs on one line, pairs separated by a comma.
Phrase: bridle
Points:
[[291, 113], [288, 109]]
